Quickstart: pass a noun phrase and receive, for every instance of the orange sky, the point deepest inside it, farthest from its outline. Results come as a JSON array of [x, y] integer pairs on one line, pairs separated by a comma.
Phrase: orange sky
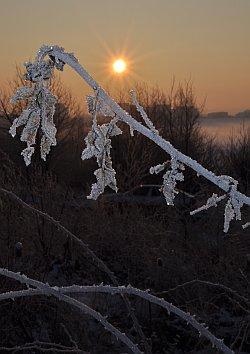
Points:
[[205, 40]]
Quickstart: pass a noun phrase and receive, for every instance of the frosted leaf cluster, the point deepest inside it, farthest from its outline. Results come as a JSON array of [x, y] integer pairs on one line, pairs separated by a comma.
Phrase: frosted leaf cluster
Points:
[[233, 204], [170, 178], [98, 144], [39, 111]]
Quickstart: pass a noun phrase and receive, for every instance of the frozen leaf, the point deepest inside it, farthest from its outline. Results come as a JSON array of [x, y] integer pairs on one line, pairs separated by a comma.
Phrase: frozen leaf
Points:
[[30, 130], [170, 179], [105, 177], [158, 168], [96, 191], [21, 120], [99, 106], [90, 149], [229, 215], [234, 204], [23, 93], [113, 129], [27, 154], [45, 147], [237, 205]]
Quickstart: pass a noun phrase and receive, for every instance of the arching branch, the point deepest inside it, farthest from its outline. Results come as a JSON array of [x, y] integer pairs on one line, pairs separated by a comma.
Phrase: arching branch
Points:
[[40, 111]]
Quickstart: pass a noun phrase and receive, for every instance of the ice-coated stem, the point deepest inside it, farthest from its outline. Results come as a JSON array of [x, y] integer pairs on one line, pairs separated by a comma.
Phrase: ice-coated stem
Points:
[[45, 289]]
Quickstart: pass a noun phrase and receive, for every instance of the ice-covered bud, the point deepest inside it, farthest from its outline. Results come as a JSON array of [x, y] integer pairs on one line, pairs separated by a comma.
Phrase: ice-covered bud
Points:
[[158, 168]]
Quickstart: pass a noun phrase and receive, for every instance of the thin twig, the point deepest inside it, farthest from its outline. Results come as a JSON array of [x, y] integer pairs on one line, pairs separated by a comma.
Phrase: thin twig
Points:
[[207, 283], [52, 347]]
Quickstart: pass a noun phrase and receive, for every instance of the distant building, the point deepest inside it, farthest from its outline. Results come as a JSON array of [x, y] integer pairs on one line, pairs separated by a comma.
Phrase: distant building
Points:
[[218, 115], [244, 114]]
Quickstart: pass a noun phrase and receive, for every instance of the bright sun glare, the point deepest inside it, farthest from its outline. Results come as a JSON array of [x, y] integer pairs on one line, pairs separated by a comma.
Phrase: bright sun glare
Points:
[[119, 66]]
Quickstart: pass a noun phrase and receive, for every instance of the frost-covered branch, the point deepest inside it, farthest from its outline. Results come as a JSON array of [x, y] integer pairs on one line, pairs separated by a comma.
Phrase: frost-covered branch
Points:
[[142, 112], [43, 289], [55, 291], [39, 71]]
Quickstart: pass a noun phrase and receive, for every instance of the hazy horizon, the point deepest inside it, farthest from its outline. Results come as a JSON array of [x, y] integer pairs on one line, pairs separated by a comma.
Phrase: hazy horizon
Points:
[[201, 40]]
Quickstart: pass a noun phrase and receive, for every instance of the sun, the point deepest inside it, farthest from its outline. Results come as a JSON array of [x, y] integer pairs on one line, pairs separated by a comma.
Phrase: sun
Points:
[[119, 66]]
